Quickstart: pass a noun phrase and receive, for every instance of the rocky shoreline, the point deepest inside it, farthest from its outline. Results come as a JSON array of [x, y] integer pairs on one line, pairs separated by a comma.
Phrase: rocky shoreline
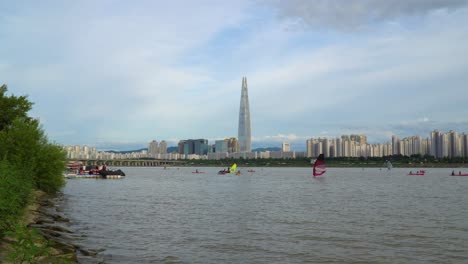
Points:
[[46, 217]]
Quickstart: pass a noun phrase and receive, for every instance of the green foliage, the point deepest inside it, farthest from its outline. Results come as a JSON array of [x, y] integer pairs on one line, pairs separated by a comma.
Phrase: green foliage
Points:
[[51, 161], [28, 245], [27, 159], [20, 142], [15, 191], [12, 107]]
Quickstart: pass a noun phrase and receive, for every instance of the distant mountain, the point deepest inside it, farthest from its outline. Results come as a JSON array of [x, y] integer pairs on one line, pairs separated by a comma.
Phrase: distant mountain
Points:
[[172, 149], [266, 149], [126, 151], [175, 149]]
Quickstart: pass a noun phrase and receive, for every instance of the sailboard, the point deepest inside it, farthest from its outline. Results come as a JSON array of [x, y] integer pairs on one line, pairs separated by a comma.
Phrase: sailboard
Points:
[[233, 168], [319, 166]]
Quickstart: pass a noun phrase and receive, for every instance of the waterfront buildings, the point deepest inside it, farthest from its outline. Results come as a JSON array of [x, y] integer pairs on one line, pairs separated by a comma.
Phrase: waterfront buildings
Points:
[[193, 146], [244, 135], [438, 144], [221, 146]]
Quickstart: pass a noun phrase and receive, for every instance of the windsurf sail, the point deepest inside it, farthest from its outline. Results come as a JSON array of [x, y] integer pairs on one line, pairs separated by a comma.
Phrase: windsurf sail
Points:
[[389, 165], [233, 168], [319, 166]]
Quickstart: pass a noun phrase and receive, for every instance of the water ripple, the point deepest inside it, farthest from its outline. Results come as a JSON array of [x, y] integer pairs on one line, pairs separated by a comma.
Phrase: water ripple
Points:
[[276, 216]]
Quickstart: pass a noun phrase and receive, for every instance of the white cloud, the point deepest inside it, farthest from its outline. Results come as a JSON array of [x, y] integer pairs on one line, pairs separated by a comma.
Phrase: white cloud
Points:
[[356, 14]]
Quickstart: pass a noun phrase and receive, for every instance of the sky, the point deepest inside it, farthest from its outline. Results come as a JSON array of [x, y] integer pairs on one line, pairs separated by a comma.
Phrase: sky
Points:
[[118, 74]]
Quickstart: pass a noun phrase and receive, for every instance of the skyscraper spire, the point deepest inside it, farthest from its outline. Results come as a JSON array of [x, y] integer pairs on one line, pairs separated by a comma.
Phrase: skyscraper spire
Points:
[[244, 120]]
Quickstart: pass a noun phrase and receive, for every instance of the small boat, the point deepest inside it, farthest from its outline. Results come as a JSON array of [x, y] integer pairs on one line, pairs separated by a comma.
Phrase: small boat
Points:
[[223, 172], [81, 176], [111, 174], [459, 174], [198, 172], [417, 173]]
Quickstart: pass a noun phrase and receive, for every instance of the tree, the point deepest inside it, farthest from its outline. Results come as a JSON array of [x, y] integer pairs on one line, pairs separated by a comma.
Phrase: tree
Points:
[[12, 107]]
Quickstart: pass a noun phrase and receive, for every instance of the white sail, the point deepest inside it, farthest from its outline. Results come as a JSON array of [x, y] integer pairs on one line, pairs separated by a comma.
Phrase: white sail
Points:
[[389, 165]]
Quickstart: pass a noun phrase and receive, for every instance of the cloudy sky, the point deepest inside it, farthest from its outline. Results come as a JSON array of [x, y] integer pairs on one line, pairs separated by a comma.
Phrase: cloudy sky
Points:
[[118, 74]]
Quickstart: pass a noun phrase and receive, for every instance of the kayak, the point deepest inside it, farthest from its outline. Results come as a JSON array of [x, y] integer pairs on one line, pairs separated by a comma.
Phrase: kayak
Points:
[[250, 171], [198, 172], [416, 174]]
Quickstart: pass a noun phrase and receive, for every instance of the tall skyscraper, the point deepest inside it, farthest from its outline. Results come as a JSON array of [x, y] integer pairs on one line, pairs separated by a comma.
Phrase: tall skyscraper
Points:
[[244, 120]]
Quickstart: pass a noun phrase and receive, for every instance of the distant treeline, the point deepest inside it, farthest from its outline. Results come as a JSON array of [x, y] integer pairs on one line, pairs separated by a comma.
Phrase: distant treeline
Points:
[[397, 161], [28, 161]]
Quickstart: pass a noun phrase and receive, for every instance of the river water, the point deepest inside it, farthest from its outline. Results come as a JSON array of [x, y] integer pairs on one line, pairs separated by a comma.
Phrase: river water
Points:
[[274, 215]]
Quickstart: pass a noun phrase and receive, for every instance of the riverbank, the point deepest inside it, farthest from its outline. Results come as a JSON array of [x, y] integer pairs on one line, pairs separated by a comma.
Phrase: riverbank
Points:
[[40, 235]]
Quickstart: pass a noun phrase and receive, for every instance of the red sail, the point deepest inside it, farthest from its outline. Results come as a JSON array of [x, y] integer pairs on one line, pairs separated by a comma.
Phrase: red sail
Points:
[[319, 166]]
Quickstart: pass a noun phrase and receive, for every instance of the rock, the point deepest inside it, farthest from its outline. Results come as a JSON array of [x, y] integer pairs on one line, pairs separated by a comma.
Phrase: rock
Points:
[[88, 252], [56, 217], [42, 220], [53, 228]]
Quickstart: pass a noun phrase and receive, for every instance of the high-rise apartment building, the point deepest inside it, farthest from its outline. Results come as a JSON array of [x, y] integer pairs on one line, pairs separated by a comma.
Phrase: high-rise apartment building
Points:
[[244, 136], [361, 139], [153, 148], [464, 144], [163, 147], [285, 147]]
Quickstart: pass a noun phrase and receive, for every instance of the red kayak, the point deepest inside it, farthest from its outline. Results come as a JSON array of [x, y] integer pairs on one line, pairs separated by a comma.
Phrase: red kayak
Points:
[[417, 174]]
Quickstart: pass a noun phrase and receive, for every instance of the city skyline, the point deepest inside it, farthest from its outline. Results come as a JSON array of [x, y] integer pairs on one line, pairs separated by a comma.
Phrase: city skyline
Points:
[[171, 70], [439, 145]]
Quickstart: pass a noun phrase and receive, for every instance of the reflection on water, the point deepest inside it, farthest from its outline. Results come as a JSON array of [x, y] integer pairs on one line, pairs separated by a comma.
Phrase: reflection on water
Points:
[[275, 215]]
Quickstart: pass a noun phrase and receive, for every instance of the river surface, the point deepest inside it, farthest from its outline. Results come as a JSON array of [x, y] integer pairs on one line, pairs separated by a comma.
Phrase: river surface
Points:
[[274, 215]]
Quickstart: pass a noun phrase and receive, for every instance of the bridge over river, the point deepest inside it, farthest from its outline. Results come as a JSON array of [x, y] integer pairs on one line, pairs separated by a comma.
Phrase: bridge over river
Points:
[[129, 162]]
